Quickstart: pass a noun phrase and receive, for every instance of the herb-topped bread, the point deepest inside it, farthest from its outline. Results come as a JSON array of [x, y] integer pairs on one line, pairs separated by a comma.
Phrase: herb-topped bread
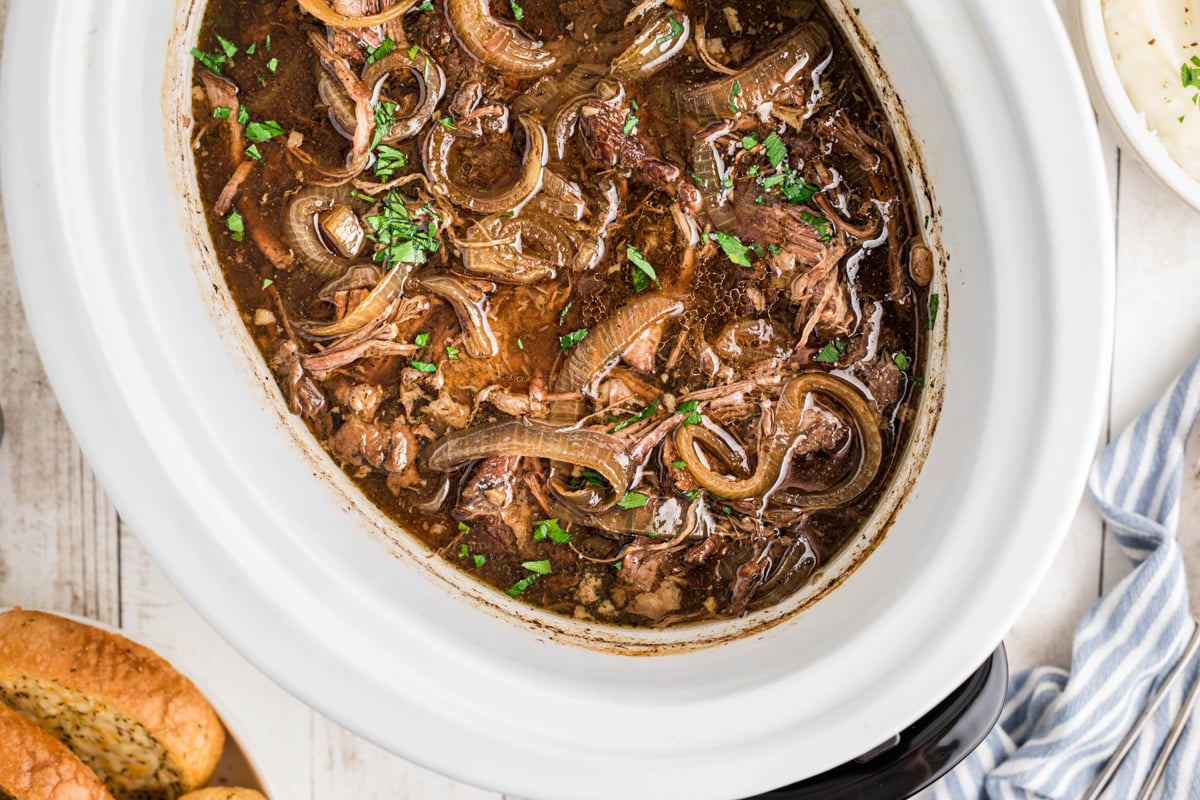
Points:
[[223, 793], [36, 766], [125, 712]]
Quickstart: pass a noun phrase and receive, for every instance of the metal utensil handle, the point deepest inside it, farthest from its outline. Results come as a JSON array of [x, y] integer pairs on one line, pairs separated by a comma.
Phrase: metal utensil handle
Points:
[[1114, 761], [1181, 721]]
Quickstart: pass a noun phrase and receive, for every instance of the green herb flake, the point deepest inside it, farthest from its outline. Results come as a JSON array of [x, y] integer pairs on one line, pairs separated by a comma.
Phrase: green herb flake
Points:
[[774, 249], [463, 550], [677, 464], [733, 95], [538, 567], [633, 500], [737, 252], [236, 225], [464, 527], [243, 116], [619, 565], [520, 344], [267, 282], [426, 5], [749, 141], [273, 65], [697, 179], [388, 161], [421, 339], [819, 223], [550, 529], [1189, 74], [776, 150], [518, 12], [518, 588], [221, 112], [641, 271], [592, 477], [385, 118], [562, 317], [452, 353], [646, 413], [690, 409], [423, 366], [259, 132], [252, 152], [446, 122], [692, 495], [631, 121], [479, 560], [405, 237], [931, 319], [229, 47], [831, 352], [212, 62], [676, 29], [268, 41], [902, 361], [384, 49], [569, 340]]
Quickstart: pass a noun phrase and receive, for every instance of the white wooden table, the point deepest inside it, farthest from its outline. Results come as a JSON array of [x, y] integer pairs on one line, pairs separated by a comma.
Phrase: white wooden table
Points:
[[63, 546]]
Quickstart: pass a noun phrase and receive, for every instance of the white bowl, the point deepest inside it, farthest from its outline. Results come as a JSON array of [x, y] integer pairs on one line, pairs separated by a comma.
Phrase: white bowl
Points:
[[1101, 72], [181, 421]]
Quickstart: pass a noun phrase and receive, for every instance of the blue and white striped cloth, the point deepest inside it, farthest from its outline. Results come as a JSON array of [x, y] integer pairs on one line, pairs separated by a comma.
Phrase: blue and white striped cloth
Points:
[[1058, 729]]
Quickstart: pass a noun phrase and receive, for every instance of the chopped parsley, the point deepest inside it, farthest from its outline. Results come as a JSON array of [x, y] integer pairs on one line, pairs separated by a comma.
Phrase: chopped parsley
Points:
[[591, 476], [520, 344], [385, 118], [259, 132], [423, 366], [538, 567], [464, 527], [749, 141], [692, 495], [931, 320], [677, 464], [421, 339], [641, 272], [268, 41], [384, 49], [221, 112], [446, 122], [463, 550], [562, 317], [413, 51], [618, 566], [733, 95], [402, 237], [388, 161], [213, 62], [776, 150], [252, 152], [267, 282], [479, 560], [1189, 73], [646, 413], [697, 179], [426, 5], [631, 121], [250, 50], [902, 361], [676, 29], [518, 12], [243, 116], [633, 500], [738, 253], [236, 225], [550, 529], [690, 408], [831, 352], [452, 353], [520, 586], [820, 223], [569, 340], [229, 47], [273, 65]]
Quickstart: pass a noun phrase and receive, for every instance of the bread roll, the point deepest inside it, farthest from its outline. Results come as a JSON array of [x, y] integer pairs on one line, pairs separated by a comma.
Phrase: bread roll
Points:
[[223, 793], [124, 711], [36, 766]]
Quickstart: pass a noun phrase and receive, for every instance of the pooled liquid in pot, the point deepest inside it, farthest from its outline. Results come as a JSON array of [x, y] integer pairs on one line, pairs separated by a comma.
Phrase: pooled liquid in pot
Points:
[[618, 307]]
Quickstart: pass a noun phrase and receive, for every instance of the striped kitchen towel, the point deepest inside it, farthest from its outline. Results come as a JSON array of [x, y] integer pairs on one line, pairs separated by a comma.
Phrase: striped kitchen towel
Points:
[[1058, 729]]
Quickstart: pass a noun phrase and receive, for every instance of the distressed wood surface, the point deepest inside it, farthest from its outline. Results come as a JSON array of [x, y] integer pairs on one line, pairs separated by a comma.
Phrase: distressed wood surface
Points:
[[63, 546]]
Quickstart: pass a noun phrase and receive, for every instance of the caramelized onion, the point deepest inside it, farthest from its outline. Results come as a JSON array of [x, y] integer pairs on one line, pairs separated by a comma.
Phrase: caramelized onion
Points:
[[321, 10], [497, 44], [431, 86], [508, 259], [300, 230], [604, 344], [761, 80], [775, 448], [376, 305], [436, 153], [655, 46], [584, 448], [471, 307], [709, 170]]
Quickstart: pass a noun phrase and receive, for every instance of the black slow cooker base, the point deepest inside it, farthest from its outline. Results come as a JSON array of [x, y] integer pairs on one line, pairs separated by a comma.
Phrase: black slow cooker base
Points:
[[922, 753]]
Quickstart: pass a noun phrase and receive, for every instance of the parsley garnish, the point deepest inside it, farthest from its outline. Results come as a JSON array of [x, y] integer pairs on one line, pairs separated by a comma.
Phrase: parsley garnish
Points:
[[383, 50], [404, 239], [1189, 73], [273, 65], [259, 132], [677, 464], [518, 12], [251, 48], [221, 112], [426, 5], [633, 500], [631, 121], [267, 282], [243, 116], [423, 366], [571, 339], [388, 161], [697, 179], [690, 408], [776, 150], [452, 353], [591, 476], [385, 118], [733, 94], [902, 361], [539, 567], [646, 413], [421, 339], [480, 560], [236, 225], [446, 122], [463, 550], [934, 300], [229, 47], [562, 317], [820, 223], [268, 41], [738, 253], [550, 529], [641, 273], [213, 62], [831, 352], [412, 52], [749, 141], [520, 586], [520, 344], [676, 29], [464, 527], [252, 152]]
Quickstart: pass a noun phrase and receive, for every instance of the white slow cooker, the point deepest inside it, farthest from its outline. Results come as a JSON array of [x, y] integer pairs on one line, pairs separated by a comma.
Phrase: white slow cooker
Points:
[[183, 424]]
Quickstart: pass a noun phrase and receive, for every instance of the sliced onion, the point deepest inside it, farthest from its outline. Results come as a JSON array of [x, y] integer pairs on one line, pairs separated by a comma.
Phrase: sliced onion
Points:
[[506, 260], [375, 306], [600, 350], [300, 229], [497, 44], [584, 448], [471, 307], [321, 10], [655, 46], [438, 145], [431, 87], [776, 448]]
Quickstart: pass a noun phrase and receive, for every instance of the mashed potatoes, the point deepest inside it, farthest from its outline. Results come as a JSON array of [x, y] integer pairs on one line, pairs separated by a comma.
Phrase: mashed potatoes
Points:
[[1154, 43]]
